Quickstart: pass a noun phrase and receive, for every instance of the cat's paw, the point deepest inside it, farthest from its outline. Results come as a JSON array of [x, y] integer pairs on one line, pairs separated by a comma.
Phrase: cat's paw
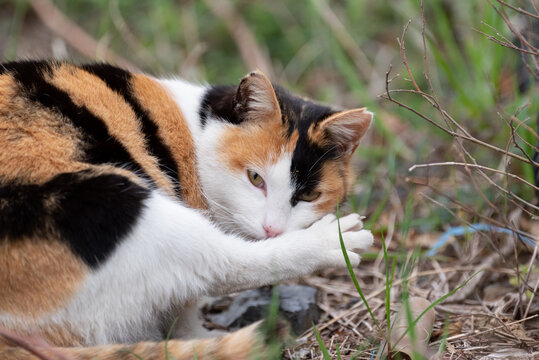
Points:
[[325, 239]]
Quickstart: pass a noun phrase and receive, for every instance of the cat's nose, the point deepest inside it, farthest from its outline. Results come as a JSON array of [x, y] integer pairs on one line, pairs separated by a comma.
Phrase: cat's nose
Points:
[[271, 231]]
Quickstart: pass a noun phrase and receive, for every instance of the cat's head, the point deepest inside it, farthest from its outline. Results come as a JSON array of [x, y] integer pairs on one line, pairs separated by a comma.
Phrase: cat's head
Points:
[[272, 162]]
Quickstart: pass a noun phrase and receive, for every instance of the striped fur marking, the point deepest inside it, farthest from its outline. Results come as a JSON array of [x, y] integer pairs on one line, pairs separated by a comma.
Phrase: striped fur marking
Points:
[[120, 81], [39, 147], [175, 134], [100, 146], [121, 121]]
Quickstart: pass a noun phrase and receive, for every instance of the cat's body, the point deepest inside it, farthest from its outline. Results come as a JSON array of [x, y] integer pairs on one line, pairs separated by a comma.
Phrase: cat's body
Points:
[[124, 199]]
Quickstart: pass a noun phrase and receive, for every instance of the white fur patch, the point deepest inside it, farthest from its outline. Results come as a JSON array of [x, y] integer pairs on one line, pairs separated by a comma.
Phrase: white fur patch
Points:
[[174, 255]]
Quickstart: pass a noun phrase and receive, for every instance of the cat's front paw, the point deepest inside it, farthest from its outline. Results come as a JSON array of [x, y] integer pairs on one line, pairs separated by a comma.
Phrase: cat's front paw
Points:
[[325, 239]]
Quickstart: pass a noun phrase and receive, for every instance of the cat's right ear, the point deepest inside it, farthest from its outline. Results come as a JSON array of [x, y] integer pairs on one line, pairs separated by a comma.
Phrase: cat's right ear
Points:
[[255, 99]]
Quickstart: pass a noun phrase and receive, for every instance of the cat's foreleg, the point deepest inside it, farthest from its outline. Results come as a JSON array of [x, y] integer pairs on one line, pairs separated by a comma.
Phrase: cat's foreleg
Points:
[[175, 255], [292, 254], [199, 259]]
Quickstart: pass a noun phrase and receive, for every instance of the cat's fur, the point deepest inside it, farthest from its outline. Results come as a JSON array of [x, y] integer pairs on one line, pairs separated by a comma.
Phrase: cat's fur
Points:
[[124, 199]]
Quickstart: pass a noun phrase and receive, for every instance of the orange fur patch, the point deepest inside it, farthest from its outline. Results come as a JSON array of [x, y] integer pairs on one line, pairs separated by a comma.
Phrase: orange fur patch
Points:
[[255, 144], [174, 132], [42, 276], [90, 91], [40, 146], [239, 345], [333, 185]]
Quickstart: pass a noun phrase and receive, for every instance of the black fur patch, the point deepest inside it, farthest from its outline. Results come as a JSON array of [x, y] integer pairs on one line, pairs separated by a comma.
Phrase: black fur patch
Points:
[[308, 157], [91, 213], [119, 80], [101, 147], [218, 102]]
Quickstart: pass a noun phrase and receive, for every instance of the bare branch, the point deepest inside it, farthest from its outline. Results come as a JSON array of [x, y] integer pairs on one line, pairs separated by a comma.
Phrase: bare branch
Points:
[[403, 54], [519, 9], [452, 163]]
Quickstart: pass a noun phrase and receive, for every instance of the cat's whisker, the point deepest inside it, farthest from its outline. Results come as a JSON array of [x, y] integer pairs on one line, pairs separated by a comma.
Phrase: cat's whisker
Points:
[[321, 157]]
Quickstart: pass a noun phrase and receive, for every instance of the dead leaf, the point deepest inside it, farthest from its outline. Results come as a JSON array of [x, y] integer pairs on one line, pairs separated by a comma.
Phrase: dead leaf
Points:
[[422, 329]]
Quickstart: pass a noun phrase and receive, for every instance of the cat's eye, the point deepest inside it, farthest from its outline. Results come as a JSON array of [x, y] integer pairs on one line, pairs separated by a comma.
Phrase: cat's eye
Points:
[[255, 179], [310, 196]]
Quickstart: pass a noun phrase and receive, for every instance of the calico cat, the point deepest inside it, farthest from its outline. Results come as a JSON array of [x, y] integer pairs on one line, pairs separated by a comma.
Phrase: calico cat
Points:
[[125, 198]]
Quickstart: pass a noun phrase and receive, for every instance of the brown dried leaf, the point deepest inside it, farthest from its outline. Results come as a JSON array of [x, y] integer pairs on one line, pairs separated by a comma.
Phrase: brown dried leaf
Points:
[[422, 329]]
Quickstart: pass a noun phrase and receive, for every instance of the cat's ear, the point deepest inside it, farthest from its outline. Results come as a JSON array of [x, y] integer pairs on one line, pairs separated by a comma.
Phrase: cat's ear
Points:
[[345, 129], [255, 99]]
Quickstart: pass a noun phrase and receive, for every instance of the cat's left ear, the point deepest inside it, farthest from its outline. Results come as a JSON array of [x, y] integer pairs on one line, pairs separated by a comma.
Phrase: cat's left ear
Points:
[[255, 99], [345, 129]]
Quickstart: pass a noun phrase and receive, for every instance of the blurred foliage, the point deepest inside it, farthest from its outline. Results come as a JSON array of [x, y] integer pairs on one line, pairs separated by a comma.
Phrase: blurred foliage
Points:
[[474, 78]]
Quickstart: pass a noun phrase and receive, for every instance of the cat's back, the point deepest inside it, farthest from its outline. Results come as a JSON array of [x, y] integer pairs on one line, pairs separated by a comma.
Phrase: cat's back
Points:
[[57, 117]]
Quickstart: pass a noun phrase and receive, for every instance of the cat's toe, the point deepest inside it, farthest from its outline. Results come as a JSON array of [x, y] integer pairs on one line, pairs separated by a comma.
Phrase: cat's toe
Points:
[[360, 240], [328, 219], [336, 258], [351, 222]]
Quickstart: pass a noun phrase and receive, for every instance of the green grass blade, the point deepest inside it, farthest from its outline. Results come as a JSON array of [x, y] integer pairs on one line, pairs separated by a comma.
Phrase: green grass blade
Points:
[[388, 284], [409, 320], [445, 335], [351, 271], [273, 310], [323, 348], [169, 334]]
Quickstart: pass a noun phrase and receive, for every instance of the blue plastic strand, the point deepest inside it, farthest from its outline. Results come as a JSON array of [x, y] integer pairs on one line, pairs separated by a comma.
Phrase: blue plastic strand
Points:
[[462, 230]]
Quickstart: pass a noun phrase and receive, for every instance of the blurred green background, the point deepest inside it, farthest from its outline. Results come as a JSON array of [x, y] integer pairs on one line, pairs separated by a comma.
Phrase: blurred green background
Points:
[[337, 52]]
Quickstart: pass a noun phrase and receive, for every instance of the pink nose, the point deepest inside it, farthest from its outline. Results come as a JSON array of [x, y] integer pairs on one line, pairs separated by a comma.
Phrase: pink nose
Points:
[[272, 231]]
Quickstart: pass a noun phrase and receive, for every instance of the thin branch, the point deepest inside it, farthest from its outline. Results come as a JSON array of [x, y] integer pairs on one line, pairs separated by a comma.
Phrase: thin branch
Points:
[[513, 138], [403, 54], [510, 26], [519, 9], [451, 163], [425, 53], [506, 44], [455, 134], [487, 219]]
